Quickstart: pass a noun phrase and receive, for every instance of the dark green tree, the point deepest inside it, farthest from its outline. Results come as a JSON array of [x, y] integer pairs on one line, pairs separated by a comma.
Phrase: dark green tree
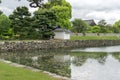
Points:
[[102, 23], [4, 26], [109, 28], [52, 13], [45, 20], [21, 22], [79, 26], [61, 8], [1, 12]]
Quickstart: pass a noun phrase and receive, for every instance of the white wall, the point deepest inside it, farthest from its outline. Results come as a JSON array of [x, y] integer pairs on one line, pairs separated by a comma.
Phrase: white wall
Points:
[[67, 36], [61, 35]]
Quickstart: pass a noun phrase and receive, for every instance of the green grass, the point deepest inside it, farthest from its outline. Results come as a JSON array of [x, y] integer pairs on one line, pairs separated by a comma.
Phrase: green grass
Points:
[[8, 72], [95, 38]]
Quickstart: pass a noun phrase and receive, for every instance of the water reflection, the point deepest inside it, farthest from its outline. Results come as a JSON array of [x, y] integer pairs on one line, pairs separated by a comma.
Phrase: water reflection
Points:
[[99, 49], [80, 58], [92, 69], [54, 62], [77, 65]]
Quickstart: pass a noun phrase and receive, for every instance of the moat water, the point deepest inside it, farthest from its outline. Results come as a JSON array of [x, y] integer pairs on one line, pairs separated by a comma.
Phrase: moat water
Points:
[[97, 63]]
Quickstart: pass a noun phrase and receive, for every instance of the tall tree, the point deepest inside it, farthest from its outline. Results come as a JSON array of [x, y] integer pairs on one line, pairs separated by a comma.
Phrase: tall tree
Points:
[[21, 21], [60, 7], [4, 25], [62, 10], [102, 23], [44, 21], [116, 27], [1, 12], [79, 26]]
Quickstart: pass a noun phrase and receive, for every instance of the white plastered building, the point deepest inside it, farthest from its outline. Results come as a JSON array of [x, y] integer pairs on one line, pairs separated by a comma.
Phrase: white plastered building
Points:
[[62, 34]]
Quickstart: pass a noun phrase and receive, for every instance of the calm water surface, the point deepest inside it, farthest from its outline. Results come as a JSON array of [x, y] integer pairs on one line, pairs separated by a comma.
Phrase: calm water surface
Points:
[[100, 63]]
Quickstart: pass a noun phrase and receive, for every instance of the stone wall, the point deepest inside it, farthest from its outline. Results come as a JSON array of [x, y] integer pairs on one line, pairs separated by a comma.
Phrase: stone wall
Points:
[[54, 44]]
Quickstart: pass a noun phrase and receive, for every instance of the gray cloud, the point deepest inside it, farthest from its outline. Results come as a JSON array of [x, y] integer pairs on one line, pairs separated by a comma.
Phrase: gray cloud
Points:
[[96, 9], [8, 7], [85, 9]]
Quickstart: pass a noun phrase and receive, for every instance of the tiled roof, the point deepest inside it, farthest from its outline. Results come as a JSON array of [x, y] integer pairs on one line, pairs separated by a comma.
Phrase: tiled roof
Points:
[[90, 22]]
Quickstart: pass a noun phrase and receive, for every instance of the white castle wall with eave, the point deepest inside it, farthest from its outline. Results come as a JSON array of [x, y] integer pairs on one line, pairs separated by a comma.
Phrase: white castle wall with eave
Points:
[[62, 35]]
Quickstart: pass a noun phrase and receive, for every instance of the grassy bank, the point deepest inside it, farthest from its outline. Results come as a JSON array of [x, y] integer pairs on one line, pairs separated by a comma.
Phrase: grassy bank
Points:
[[8, 72], [95, 38]]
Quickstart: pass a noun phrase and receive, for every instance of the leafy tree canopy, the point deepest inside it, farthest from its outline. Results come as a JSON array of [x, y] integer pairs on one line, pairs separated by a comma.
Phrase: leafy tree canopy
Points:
[[117, 24], [79, 26], [1, 12], [116, 27], [4, 24], [95, 29], [102, 23], [44, 21], [62, 9], [21, 21]]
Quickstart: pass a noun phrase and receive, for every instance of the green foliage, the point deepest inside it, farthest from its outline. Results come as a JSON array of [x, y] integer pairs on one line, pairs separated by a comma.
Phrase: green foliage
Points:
[[95, 29], [117, 24], [102, 23], [44, 20], [1, 12], [79, 26], [62, 10], [116, 27], [21, 22], [4, 25], [41, 25], [109, 28], [53, 13]]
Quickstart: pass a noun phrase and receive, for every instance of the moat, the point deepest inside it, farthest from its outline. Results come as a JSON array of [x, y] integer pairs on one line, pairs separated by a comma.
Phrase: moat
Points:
[[94, 63]]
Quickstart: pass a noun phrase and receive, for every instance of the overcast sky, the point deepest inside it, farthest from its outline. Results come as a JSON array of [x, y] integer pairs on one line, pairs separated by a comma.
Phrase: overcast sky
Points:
[[84, 9]]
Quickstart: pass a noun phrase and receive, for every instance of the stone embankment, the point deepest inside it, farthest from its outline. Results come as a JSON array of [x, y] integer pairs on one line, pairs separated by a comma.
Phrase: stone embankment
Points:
[[54, 44]]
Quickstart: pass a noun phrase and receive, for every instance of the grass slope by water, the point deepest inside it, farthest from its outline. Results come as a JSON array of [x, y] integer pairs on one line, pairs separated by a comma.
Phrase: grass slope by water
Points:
[[8, 72]]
